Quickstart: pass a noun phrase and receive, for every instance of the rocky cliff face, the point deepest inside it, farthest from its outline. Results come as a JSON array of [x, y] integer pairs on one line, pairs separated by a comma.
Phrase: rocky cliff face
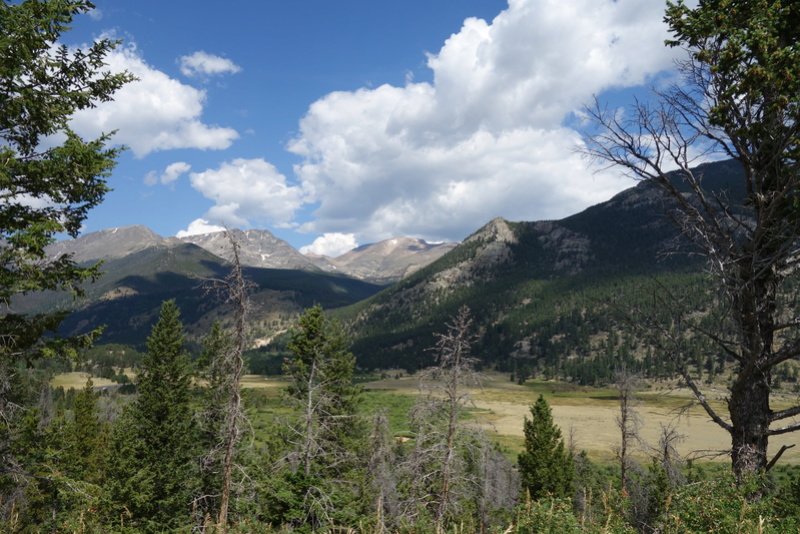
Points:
[[387, 261], [110, 244], [258, 248]]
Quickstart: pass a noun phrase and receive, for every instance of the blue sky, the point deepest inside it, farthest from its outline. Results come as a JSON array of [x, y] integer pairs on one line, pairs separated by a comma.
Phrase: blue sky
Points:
[[334, 124]]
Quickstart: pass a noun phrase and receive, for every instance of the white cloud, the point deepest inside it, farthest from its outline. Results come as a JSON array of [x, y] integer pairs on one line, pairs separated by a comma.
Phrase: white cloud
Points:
[[201, 64], [247, 191], [487, 137], [95, 13], [152, 113], [200, 226], [331, 245], [170, 174]]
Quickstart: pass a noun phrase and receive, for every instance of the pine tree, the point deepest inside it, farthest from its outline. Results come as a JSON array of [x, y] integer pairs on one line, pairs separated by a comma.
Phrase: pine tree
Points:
[[545, 466], [321, 471], [213, 373], [50, 178], [86, 441], [152, 467]]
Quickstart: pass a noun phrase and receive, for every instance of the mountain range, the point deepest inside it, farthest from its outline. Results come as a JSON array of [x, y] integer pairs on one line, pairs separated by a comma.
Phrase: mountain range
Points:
[[385, 262], [522, 280]]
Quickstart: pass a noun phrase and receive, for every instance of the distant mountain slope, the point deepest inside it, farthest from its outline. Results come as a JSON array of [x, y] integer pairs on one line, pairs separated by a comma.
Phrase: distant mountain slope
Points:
[[127, 298], [385, 262], [110, 244], [536, 289], [258, 248], [142, 269]]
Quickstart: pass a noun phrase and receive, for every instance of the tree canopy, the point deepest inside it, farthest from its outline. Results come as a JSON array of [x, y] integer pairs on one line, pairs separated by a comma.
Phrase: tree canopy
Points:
[[545, 466], [49, 177]]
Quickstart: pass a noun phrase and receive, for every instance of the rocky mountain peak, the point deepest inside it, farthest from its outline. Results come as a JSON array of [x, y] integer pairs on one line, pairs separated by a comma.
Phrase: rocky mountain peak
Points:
[[258, 248], [496, 230], [386, 261], [111, 243]]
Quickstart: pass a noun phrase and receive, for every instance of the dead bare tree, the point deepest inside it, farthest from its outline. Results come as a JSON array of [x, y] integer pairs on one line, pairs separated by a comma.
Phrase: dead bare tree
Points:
[[737, 101], [446, 465], [227, 366], [668, 455], [381, 472], [457, 370], [627, 383]]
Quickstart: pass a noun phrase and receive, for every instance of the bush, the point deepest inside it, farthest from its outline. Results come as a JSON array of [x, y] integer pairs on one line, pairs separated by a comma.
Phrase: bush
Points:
[[555, 516], [723, 507]]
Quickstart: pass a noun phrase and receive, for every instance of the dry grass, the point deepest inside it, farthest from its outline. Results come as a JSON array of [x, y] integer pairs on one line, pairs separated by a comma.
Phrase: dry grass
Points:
[[263, 382], [587, 416], [77, 380]]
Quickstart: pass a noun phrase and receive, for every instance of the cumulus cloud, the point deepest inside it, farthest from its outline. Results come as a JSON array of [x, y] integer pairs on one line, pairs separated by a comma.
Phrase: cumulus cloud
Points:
[[248, 191], [152, 113], [331, 245], [170, 174], [488, 135], [202, 64], [200, 226]]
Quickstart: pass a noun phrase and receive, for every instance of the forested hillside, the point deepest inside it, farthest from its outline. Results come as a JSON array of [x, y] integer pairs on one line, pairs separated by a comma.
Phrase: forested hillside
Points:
[[551, 297], [126, 299]]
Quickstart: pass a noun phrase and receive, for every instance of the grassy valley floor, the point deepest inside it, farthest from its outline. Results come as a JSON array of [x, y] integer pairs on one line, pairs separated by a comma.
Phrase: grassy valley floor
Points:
[[586, 415]]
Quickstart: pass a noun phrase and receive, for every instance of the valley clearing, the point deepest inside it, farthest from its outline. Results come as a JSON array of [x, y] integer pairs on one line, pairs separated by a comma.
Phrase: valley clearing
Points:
[[587, 416]]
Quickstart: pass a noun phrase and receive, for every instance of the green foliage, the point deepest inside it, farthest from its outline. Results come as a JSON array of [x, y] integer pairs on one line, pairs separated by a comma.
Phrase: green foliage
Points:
[[757, 62], [152, 467], [319, 481], [545, 466], [49, 180], [721, 506], [547, 516], [86, 443], [41, 86], [555, 516]]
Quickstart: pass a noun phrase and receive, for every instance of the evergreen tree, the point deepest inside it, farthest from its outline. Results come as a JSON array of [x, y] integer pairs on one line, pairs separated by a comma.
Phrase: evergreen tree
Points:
[[86, 440], [50, 178], [546, 467], [213, 372], [152, 471], [48, 185], [321, 472]]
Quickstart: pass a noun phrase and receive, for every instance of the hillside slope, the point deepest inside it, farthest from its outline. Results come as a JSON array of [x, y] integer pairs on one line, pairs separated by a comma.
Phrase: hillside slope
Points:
[[543, 294], [127, 298]]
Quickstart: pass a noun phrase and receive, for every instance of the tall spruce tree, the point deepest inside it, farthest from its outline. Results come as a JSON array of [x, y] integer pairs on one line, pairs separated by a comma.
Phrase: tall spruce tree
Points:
[[152, 469], [49, 180], [49, 177], [546, 467], [322, 468], [86, 442]]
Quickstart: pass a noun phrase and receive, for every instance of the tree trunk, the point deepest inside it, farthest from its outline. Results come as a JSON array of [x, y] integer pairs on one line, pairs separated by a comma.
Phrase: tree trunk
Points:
[[750, 417], [237, 289], [754, 303]]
